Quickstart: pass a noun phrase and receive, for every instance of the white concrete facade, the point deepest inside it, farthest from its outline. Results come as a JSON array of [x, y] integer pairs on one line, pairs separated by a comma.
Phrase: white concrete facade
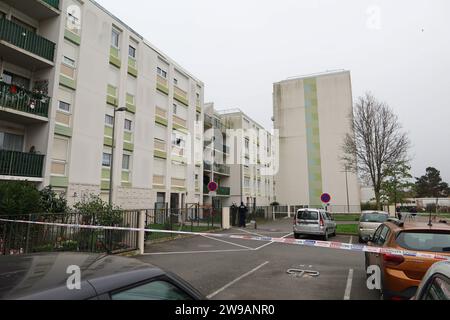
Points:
[[100, 65], [312, 115]]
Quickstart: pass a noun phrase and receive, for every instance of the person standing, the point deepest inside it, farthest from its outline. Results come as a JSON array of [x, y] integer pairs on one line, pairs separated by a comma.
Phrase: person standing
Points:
[[234, 211], [242, 215]]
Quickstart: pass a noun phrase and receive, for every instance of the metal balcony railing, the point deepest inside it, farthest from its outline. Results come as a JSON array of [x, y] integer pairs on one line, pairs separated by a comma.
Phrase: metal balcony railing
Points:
[[223, 191], [26, 39], [19, 99], [20, 164]]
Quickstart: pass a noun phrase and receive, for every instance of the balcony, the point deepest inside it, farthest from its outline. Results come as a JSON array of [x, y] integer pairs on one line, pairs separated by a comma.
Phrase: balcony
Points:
[[181, 96], [222, 169], [224, 191], [25, 103], [20, 164], [24, 47], [162, 84], [37, 9]]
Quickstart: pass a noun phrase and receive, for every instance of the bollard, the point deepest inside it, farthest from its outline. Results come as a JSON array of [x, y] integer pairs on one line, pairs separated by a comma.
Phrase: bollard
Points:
[[226, 218], [141, 236]]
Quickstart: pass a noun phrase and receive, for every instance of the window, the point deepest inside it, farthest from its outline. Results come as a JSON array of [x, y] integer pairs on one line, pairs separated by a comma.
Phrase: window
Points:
[[115, 35], [11, 142], [156, 290], [384, 232], [425, 241], [132, 52], [109, 120], [68, 61], [128, 125], [175, 81], [106, 162], [439, 289], [11, 78], [174, 108], [197, 116], [64, 106], [161, 73], [60, 156], [126, 160]]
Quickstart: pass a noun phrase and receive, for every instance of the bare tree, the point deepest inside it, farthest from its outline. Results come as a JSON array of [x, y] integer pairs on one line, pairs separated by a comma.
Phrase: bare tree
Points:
[[377, 142]]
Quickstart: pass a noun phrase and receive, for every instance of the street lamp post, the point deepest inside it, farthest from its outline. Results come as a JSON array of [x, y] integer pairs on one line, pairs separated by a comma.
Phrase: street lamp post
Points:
[[111, 174]]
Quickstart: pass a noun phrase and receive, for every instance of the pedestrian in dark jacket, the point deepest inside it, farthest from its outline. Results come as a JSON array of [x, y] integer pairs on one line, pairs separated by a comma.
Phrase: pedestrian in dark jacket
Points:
[[234, 214], [242, 215]]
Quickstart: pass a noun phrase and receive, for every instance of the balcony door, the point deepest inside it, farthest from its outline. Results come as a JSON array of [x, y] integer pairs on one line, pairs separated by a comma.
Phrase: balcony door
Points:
[[11, 142], [11, 78]]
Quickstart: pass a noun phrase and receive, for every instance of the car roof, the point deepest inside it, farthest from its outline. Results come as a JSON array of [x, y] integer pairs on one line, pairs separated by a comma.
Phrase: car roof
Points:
[[418, 226], [45, 275], [442, 267], [374, 212]]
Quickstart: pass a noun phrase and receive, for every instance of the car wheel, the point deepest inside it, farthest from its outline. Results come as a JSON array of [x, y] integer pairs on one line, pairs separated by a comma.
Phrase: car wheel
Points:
[[325, 237], [361, 240], [296, 236]]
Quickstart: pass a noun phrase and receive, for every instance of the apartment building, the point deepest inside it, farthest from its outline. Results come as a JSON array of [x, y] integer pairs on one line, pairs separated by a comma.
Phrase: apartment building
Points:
[[216, 155], [77, 81], [312, 114], [251, 157]]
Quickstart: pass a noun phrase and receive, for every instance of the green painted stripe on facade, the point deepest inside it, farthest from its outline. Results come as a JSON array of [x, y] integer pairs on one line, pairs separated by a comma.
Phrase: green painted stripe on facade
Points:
[[67, 82], [59, 182], [125, 176], [161, 121], [107, 141], [112, 100], [132, 71], [199, 109], [63, 131], [128, 146], [131, 108], [160, 154], [313, 141], [181, 99], [115, 61], [162, 88], [106, 173], [127, 136], [180, 128], [108, 131], [104, 185], [72, 37]]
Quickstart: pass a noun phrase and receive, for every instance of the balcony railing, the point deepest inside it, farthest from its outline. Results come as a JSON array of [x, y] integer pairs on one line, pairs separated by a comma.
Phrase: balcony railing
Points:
[[23, 100], [26, 39], [53, 3], [221, 168], [223, 191], [20, 164]]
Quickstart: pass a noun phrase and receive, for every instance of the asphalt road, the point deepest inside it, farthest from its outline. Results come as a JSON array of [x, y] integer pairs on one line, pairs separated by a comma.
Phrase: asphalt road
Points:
[[246, 270]]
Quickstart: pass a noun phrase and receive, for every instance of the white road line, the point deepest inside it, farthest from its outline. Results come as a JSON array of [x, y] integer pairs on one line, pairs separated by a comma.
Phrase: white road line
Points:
[[351, 240], [215, 293], [234, 244], [192, 252], [348, 289], [254, 233]]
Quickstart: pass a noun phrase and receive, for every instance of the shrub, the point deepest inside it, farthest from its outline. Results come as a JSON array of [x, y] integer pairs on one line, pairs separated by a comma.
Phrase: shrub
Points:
[[103, 213], [52, 202], [19, 198]]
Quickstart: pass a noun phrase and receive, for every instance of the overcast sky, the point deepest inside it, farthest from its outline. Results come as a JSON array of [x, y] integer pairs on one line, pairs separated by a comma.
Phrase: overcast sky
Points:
[[399, 50]]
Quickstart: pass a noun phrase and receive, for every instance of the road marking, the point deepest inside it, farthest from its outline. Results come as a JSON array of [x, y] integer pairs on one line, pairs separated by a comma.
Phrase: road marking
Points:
[[215, 293], [351, 240], [234, 244], [193, 252], [268, 244], [254, 233], [348, 289]]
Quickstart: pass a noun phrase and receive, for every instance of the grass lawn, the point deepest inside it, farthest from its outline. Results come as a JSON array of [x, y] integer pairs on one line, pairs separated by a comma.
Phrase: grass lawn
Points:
[[346, 217], [347, 229], [176, 227]]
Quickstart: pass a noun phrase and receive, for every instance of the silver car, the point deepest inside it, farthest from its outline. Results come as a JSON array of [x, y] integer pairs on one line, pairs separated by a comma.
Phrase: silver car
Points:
[[314, 222], [369, 223]]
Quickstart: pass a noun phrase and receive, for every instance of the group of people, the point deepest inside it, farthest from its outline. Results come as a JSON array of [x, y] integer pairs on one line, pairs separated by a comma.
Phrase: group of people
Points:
[[239, 212]]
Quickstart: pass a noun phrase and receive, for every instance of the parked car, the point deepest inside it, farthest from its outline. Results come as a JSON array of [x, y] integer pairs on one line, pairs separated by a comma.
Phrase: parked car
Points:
[[369, 223], [102, 277], [401, 275], [314, 222], [436, 283]]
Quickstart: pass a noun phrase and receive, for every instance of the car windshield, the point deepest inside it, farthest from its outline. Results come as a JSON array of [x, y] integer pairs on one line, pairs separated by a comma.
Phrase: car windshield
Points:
[[425, 241], [308, 215], [374, 217]]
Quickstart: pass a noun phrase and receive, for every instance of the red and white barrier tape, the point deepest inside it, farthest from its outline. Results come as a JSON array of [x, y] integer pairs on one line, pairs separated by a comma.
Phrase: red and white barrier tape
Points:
[[300, 242]]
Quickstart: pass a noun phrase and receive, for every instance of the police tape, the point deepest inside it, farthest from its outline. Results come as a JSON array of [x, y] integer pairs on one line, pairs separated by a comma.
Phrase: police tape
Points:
[[291, 241]]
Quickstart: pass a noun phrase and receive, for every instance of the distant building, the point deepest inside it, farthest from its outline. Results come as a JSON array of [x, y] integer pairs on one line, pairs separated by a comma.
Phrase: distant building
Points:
[[312, 116]]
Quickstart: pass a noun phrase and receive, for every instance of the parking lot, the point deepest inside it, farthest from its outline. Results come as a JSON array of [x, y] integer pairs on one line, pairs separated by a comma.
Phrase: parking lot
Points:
[[243, 269]]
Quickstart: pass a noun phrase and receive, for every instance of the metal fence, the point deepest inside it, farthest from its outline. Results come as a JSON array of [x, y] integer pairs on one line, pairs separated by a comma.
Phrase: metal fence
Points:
[[21, 238]]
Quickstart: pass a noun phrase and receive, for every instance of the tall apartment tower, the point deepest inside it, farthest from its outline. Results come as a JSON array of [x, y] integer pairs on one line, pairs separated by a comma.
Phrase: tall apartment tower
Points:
[[70, 71], [312, 116]]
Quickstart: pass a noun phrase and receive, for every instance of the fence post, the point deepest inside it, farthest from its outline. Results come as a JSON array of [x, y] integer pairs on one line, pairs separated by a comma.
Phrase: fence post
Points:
[[226, 218], [289, 211], [141, 237], [28, 235]]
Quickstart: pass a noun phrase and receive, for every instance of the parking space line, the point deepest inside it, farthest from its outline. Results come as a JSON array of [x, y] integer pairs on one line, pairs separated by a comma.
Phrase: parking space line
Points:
[[215, 293], [348, 289], [351, 240], [228, 242], [268, 244], [193, 252], [254, 233]]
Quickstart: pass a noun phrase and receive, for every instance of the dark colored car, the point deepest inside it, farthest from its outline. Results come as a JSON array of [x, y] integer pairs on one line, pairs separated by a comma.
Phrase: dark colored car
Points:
[[102, 277]]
